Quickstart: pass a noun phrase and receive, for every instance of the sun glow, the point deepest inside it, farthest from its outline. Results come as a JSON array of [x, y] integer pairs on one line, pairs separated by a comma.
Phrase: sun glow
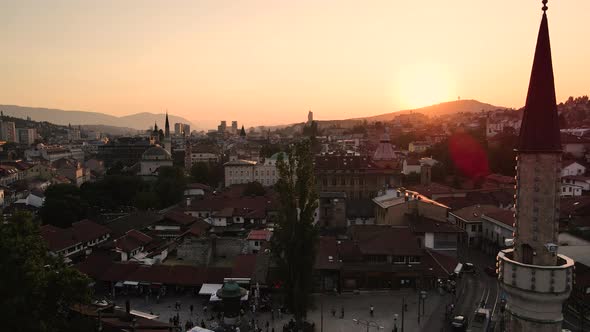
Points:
[[423, 84]]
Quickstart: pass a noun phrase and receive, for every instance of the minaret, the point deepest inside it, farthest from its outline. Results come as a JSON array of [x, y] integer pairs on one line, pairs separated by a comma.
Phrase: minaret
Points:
[[167, 126], [535, 278]]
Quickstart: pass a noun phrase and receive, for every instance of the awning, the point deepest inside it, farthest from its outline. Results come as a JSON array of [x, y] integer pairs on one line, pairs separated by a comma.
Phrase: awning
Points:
[[130, 283], [119, 284], [143, 283], [210, 289]]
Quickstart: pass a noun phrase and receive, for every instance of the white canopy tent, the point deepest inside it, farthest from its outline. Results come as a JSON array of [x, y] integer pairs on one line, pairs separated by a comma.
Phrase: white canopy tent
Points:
[[210, 289]]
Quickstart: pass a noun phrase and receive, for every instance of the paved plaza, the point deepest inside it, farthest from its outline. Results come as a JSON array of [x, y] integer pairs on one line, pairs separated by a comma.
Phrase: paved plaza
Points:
[[356, 306]]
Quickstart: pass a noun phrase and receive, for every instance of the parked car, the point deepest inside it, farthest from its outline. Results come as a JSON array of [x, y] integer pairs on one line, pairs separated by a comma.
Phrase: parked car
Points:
[[459, 323], [469, 268]]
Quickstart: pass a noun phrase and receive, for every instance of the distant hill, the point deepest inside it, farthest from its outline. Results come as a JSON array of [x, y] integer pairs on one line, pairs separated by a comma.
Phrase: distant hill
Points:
[[451, 107], [139, 121]]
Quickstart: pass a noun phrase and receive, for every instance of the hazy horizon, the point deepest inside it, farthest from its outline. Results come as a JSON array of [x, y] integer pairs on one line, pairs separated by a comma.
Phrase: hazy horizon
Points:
[[269, 62]]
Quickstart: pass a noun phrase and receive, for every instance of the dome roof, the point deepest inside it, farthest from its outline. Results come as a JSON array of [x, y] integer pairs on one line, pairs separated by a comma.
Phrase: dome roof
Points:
[[156, 152]]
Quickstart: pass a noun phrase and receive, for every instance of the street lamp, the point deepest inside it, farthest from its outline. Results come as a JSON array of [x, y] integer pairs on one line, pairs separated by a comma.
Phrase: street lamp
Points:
[[395, 323], [368, 324]]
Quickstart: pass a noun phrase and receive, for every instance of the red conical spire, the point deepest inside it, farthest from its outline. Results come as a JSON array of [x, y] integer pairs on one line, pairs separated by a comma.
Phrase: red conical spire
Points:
[[539, 131]]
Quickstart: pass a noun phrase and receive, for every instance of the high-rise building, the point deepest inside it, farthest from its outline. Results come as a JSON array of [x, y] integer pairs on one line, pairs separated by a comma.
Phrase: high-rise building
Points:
[[222, 127], [26, 135], [178, 129], [534, 277], [186, 129], [7, 131], [309, 117], [234, 127]]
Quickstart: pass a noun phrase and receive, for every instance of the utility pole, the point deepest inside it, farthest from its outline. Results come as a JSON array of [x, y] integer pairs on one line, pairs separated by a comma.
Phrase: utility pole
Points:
[[321, 314], [403, 311]]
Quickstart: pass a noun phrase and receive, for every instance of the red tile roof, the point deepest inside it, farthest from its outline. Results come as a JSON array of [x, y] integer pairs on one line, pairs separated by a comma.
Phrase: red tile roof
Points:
[[80, 232], [504, 216], [179, 217], [259, 234], [426, 225], [244, 266], [132, 240], [385, 240]]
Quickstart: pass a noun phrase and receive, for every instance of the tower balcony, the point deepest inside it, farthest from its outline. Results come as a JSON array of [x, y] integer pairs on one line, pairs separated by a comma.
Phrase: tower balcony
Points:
[[535, 293], [553, 279]]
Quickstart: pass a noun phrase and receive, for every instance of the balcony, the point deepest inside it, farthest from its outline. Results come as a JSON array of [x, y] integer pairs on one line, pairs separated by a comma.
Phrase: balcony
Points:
[[535, 278]]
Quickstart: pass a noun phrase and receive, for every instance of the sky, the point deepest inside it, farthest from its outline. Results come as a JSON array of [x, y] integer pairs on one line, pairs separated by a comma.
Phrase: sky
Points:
[[269, 62]]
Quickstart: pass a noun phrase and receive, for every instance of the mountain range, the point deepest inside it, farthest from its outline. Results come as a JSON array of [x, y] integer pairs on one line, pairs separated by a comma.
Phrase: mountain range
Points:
[[143, 121], [138, 121], [446, 108]]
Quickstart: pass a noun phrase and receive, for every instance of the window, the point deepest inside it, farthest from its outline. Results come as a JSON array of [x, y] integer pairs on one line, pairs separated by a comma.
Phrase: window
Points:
[[333, 181], [325, 181], [414, 260], [479, 227], [343, 181], [399, 260], [256, 243], [473, 228]]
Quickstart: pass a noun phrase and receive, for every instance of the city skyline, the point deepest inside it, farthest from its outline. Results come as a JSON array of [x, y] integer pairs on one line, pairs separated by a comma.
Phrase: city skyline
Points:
[[208, 61]]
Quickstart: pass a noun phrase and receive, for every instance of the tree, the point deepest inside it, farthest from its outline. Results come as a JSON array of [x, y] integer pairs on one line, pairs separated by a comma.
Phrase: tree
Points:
[[200, 172], [295, 237], [169, 186], [254, 189], [37, 288], [63, 205], [243, 132], [145, 200]]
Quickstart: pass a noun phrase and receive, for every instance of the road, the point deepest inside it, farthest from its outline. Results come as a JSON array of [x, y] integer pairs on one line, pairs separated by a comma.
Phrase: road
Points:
[[473, 291]]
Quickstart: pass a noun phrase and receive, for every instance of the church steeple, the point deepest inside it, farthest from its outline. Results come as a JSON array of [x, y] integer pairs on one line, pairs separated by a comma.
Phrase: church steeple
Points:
[[539, 131], [167, 126]]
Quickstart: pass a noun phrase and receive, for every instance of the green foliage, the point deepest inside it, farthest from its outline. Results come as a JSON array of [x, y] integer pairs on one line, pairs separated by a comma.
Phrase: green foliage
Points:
[[254, 189], [113, 191], [269, 149], [210, 174], [145, 200], [169, 186], [63, 205], [37, 289], [294, 242], [200, 172]]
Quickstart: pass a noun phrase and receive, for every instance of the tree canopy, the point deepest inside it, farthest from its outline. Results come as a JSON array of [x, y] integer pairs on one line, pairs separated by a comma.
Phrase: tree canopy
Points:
[[63, 205], [37, 289], [294, 242]]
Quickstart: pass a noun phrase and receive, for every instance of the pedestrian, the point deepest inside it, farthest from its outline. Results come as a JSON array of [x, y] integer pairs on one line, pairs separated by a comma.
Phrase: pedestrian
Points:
[[342, 313], [333, 312], [205, 310], [191, 308], [280, 313], [272, 314], [237, 329], [372, 310], [203, 324]]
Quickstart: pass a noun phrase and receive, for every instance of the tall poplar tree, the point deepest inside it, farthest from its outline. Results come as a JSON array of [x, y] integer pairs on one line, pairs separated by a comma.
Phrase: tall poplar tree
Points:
[[295, 238]]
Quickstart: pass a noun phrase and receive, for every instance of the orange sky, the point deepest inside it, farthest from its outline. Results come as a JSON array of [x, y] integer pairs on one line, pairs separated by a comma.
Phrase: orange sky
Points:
[[267, 62]]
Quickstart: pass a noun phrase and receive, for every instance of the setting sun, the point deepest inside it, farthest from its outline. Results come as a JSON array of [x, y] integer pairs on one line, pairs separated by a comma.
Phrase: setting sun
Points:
[[424, 84]]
